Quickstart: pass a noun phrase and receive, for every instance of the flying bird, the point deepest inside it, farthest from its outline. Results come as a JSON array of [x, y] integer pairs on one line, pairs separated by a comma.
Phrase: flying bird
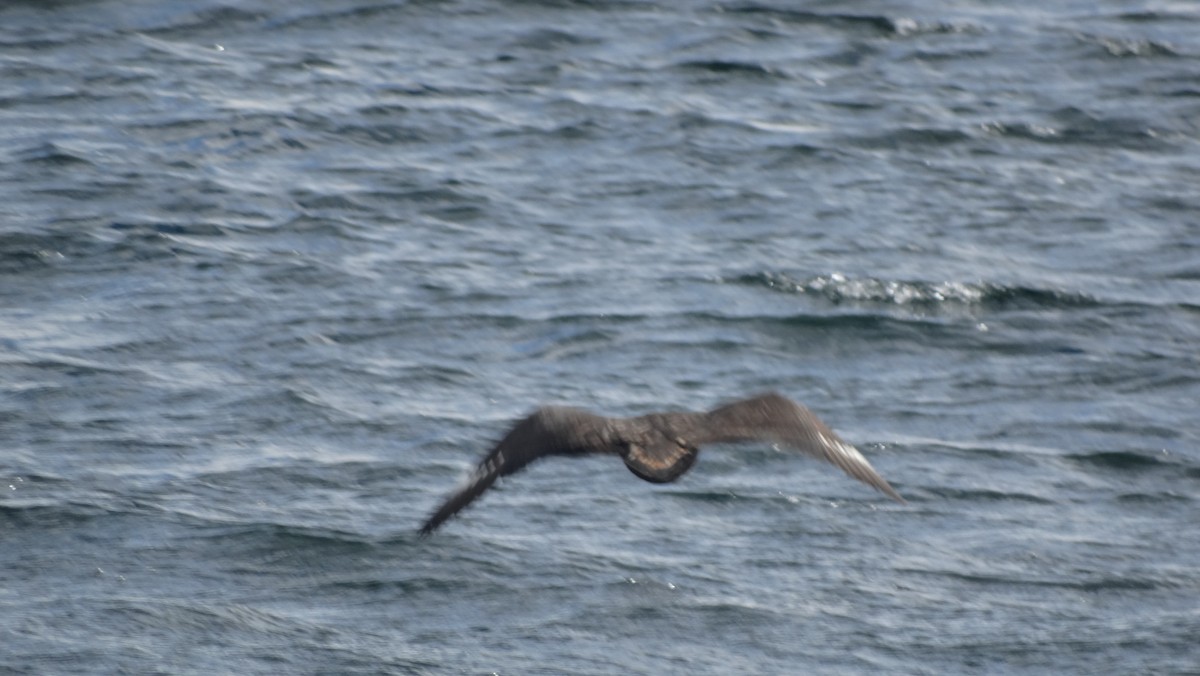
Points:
[[660, 447]]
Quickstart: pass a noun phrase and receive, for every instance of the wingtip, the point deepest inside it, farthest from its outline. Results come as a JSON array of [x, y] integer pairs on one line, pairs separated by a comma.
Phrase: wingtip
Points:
[[426, 529], [892, 493]]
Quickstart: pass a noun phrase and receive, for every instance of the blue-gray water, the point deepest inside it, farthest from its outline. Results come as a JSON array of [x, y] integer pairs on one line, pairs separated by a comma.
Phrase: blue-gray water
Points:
[[273, 275]]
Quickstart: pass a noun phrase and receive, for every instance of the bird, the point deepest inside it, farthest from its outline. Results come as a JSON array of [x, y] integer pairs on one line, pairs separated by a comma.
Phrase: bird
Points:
[[659, 447]]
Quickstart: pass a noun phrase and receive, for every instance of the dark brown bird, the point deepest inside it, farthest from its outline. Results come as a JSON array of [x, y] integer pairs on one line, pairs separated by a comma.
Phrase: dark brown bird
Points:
[[660, 447]]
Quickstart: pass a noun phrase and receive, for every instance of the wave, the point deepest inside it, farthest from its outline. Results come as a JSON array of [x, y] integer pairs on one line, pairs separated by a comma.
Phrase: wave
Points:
[[838, 288], [56, 503], [1073, 126], [1151, 498], [92, 247], [187, 21], [53, 154], [984, 495], [909, 137], [25, 251], [835, 288], [1095, 583], [1129, 47], [275, 537], [875, 23], [42, 515]]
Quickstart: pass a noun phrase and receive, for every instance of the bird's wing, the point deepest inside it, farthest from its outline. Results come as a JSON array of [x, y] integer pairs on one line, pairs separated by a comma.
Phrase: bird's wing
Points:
[[547, 431], [773, 417]]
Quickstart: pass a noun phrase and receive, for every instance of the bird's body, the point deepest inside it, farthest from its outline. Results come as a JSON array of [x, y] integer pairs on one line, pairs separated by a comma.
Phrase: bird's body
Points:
[[660, 447]]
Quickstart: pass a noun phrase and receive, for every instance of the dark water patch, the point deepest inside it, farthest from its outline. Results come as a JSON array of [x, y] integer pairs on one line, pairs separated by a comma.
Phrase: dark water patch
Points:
[[550, 39], [1117, 460], [340, 202], [707, 497], [80, 193], [1116, 426], [53, 155], [731, 613], [783, 155], [422, 125], [901, 332], [374, 133], [1084, 581], [34, 506], [566, 341], [31, 249], [1120, 583], [734, 68], [72, 367], [983, 495], [716, 342], [368, 582], [434, 198], [566, 317], [1074, 126], [1024, 297], [48, 515], [187, 22], [937, 54], [370, 14], [909, 138], [151, 229], [380, 112], [583, 130], [868, 23], [288, 539], [250, 135], [1175, 204], [432, 375], [585, 5], [312, 233], [822, 327], [1166, 16], [1154, 498]]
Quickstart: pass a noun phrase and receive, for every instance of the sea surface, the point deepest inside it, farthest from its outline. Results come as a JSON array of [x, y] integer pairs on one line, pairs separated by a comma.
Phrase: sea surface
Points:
[[274, 275]]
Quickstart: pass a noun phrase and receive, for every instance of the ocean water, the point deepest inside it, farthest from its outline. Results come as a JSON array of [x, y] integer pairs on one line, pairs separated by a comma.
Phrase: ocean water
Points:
[[273, 276]]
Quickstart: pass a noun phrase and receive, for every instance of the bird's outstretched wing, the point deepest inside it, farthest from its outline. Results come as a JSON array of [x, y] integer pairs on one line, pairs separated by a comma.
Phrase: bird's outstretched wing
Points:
[[547, 431], [774, 417], [659, 447]]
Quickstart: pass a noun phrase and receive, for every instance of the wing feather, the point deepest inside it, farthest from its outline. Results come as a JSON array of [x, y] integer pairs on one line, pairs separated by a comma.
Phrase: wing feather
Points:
[[547, 431], [773, 417]]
